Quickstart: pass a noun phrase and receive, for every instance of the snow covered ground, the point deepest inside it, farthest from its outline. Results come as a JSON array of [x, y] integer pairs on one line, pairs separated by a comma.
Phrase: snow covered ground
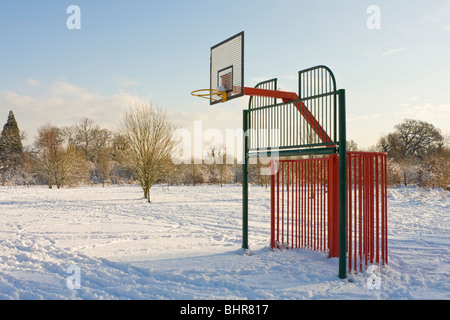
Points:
[[109, 243]]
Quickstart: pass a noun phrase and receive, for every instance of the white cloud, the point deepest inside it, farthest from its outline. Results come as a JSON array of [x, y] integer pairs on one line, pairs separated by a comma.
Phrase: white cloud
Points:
[[364, 117], [63, 104], [431, 113], [63, 88], [389, 52], [405, 29], [32, 82], [125, 82], [439, 15]]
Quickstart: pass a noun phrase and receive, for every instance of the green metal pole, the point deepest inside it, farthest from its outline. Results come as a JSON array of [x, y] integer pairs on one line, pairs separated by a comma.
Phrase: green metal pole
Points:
[[342, 187], [245, 183]]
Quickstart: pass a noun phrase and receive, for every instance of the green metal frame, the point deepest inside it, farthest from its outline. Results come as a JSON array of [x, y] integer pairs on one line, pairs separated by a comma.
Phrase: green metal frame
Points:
[[315, 84], [342, 187]]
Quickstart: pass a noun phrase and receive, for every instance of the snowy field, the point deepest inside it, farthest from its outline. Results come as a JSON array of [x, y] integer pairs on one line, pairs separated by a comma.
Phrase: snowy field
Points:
[[109, 243]]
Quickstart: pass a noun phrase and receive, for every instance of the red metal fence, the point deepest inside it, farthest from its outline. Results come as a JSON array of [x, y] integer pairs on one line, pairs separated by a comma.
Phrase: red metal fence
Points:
[[366, 209], [299, 204], [304, 206]]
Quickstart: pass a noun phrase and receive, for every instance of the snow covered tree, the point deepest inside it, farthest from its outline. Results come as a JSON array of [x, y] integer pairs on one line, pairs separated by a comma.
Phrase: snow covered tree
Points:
[[11, 150], [148, 132]]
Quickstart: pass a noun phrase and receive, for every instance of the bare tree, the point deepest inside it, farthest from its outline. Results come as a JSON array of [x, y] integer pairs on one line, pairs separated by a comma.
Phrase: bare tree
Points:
[[96, 144], [89, 137], [219, 170], [49, 143], [61, 165], [352, 145], [194, 172], [104, 164], [412, 139], [85, 135], [434, 171], [148, 132], [71, 167], [410, 148]]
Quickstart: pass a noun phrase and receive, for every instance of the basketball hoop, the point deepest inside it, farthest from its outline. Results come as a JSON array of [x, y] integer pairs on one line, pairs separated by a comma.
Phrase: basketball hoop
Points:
[[211, 94]]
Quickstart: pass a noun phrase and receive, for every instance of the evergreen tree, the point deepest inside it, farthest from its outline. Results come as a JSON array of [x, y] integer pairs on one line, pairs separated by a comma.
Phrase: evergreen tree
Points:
[[11, 149]]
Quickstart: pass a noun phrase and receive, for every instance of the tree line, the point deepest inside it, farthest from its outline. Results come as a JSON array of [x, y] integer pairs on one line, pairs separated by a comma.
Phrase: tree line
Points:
[[85, 153], [140, 152]]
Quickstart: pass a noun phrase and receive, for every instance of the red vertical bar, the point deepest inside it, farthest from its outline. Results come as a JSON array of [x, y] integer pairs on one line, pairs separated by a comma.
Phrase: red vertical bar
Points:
[[377, 208], [326, 199], [309, 204], [372, 208], [320, 203], [369, 209], [311, 210], [301, 202], [293, 204], [287, 205], [318, 193], [365, 209], [355, 167], [333, 218], [307, 211], [282, 203], [298, 203], [313, 206], [272, 205], [304, 204], [307, 199], [278, 203], [385, 246], [336, 205], [385, 213], [326, 190], [349, 209], [383, 195], [325, 203], [382, 207], [315, 203], [330, 206], [360, 211]]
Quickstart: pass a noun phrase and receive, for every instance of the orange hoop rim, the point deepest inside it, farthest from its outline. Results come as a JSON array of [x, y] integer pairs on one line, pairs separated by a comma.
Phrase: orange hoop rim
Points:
[[210, 94]]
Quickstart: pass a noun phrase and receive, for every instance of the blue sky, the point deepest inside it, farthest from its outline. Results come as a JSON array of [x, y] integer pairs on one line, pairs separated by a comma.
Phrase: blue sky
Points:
[[159, 51]]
